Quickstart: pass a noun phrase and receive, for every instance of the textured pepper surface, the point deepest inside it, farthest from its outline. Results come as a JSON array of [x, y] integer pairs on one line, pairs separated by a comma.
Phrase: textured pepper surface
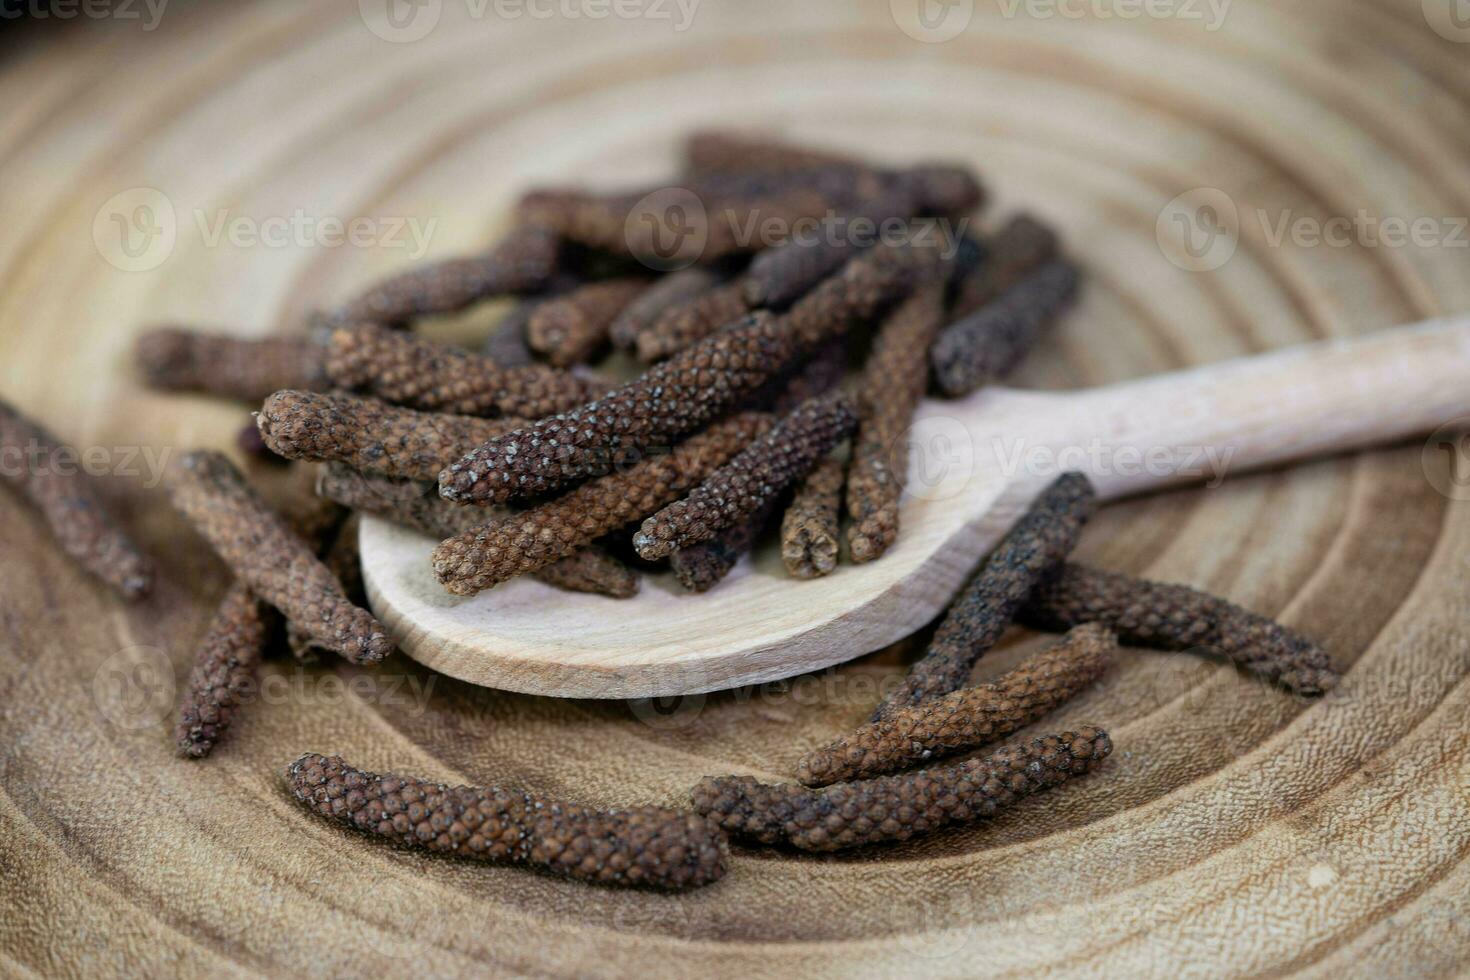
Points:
[[273, 560], [893, 383], [1176, 617], [417, 504], [689, 322], [969, 718], [649, 846], [752, 479], [179, 359], [506, 343], [897, 807], [673, 290], [50, 477], [524, 261], [1020, 248], [407, 370], [223, 672], [1038, 543], [989, 343], [682, 394], [484, 556], [570, 329], [810, 525], [700, 567], [368, 434]]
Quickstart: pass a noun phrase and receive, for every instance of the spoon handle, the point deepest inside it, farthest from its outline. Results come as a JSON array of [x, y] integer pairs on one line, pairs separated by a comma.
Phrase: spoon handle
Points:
[[1202, 424]]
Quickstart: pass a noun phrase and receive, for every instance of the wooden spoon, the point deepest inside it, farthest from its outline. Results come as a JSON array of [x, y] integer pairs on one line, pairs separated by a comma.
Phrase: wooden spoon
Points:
[[976, 465]]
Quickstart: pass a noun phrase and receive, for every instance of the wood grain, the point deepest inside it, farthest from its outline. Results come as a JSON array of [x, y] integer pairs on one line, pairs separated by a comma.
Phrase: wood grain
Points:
[[1235, 831]]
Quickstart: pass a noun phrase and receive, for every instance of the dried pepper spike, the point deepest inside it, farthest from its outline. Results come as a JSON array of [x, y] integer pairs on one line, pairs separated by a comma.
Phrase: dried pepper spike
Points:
[[51, 477], [897, 807], [673, 290], [1024, 245], [484, 556], [179, 359], [418, 373], [368, 434], [969, 718], [1176, 617], [809, 529], [700, 567], [893, 383], [680, 395], [417, 504], [506, 345], [570, 329], [523, 262], [691, 322], [752, 479], [860, 291], [648, 846], [272, 559], [1038, 543], [987, 344], [223, 672]]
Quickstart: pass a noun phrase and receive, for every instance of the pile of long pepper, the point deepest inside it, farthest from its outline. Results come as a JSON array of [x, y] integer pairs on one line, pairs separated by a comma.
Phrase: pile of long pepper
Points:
[[524, 460]]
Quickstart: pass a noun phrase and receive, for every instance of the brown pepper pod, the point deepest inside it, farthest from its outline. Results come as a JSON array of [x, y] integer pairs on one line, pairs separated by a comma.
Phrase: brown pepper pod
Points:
[[897, 807], [180, 359], [1017, 250], [986, 345], [690, 322], [809, 527], [893, 383], [1038, 543], [1176, 617], [484, 556], [523, 262], [368, 434], [752, 479], [969, 718], [570, 329], [50, 475], [417, 504], [418, 373], [678, 396], [673, 290], [224, 671], [700, 567], [272, 559], [643, 846]]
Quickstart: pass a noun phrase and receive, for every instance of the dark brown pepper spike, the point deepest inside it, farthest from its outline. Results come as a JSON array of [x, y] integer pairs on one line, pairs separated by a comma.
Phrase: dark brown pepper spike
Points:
[[50, 476], [682, 394], [690, 322], [1176, 617], [674, 289], [1017, 250], [523, 262], [223, 672], [969, 718], [646, 846], [272, 559], [570, 329], [418, 373], [739, 489], [179, 359], [898, 807], [368, 434], [987, 345], [809, 528], [484, 556], [1038, 543]]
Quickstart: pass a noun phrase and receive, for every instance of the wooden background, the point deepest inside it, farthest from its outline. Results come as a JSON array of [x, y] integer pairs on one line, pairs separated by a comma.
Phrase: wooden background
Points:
[[1235, 830]]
